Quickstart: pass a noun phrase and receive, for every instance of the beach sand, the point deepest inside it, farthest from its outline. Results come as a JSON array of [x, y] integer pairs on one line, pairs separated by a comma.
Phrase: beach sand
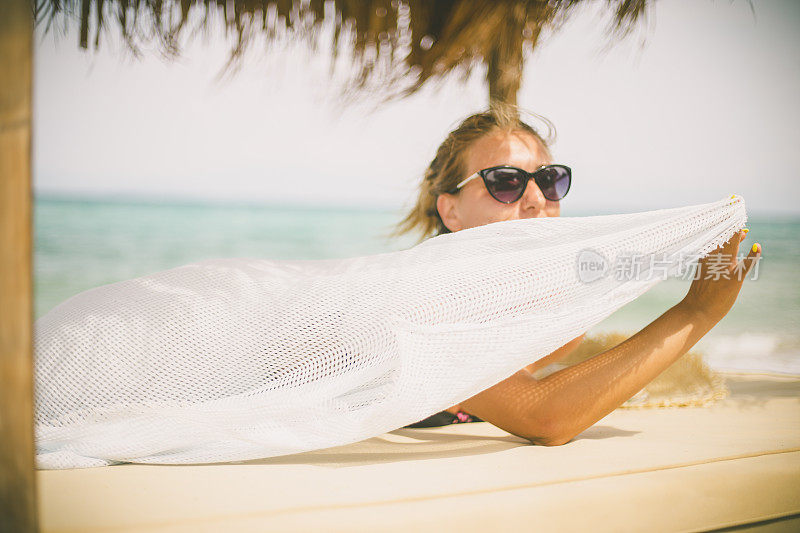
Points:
[[734, 462]]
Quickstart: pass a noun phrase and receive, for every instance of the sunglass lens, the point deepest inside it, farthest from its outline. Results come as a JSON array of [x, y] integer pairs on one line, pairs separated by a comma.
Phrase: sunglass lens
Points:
[[505, 184], [554, 182]]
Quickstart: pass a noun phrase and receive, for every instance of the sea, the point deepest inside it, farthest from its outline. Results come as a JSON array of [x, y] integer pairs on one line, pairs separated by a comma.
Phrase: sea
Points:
[[82, 243]]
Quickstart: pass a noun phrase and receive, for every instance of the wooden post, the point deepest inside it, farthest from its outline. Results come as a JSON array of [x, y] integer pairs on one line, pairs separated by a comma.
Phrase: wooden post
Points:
[[504, 74], [17, 476], [504, 61]]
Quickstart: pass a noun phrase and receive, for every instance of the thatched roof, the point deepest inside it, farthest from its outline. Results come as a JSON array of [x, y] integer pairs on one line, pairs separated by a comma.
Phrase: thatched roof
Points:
[[401, 44]]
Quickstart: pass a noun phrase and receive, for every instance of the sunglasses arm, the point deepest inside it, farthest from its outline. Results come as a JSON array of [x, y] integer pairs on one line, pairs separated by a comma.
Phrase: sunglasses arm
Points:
[[476, 175]]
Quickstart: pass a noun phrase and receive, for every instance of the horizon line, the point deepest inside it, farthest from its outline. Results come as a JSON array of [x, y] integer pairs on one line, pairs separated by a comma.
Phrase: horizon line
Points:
[[190, 201]]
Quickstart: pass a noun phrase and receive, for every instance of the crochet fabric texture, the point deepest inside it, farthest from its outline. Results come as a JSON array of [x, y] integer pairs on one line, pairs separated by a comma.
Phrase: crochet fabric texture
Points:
[[237, 359]]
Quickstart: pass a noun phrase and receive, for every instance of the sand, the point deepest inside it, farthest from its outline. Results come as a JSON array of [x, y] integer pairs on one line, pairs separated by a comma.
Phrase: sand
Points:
[[669, 469]]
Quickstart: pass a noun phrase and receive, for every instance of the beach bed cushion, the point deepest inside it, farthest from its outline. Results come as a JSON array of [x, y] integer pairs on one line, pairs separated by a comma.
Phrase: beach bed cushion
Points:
[[693, 468]]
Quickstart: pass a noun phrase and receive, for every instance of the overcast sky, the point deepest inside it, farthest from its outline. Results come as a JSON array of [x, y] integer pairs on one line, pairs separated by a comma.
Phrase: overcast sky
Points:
[[709, 106]]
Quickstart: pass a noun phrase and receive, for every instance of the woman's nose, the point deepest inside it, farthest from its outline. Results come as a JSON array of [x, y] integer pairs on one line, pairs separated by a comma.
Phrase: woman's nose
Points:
[[532, 199]]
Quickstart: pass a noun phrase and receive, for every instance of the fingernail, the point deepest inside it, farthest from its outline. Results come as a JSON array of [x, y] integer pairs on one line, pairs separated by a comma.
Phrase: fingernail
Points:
[[745, 230], [755, 247]]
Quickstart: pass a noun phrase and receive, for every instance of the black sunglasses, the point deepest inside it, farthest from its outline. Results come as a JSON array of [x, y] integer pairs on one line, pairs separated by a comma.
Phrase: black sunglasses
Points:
[[507, 184]]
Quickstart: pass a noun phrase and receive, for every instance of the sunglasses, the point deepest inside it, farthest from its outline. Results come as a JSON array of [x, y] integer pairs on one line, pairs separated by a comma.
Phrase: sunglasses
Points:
[[507, 184]]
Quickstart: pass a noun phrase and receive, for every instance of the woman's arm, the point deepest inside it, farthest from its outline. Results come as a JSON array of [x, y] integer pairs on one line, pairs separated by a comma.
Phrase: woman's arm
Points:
[[551, 411], [556, 356]]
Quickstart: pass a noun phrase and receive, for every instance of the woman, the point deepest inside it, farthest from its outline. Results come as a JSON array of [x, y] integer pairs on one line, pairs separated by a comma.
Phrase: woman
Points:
[[553, 410]]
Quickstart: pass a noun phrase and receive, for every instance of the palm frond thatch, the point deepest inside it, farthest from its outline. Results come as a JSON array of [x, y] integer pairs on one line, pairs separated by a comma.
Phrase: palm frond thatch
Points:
[[401, 44]]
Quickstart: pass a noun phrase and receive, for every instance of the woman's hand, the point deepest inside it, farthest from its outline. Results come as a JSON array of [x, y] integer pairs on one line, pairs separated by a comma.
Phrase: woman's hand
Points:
[[712, 298]]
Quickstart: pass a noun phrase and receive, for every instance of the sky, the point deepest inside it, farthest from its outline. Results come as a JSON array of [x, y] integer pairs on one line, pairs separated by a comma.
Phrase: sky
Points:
[[701, 102]]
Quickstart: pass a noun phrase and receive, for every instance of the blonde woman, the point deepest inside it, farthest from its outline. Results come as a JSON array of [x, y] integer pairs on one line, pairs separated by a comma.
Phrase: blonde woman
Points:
[[495, 167]]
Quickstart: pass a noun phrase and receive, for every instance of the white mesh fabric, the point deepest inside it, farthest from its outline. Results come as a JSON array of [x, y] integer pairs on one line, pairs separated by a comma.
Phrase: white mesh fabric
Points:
[[236, 359]]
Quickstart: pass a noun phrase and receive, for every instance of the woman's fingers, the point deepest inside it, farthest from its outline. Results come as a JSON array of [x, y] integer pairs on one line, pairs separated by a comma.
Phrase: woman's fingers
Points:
[[752, 257], [732, 249], [743, 267], [724, 251], [726, 247], [726, 254]]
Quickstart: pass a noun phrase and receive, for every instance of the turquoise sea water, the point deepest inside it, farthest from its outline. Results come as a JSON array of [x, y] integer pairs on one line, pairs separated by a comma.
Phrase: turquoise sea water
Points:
[[83, 243]]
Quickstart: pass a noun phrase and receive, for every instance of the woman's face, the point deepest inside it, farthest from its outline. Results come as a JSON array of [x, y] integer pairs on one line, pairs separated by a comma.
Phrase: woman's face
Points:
[[473, 205]]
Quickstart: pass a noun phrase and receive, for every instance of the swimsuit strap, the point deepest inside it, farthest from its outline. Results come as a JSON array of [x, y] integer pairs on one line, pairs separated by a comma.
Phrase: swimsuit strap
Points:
[[445, 418]]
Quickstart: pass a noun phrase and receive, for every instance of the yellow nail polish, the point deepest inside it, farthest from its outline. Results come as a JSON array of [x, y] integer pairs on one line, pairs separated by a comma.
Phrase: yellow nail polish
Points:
[[755, 247], [745, 230]]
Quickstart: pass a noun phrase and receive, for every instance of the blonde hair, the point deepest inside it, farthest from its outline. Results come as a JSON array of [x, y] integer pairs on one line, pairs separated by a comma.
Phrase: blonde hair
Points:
[[448, 167]]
